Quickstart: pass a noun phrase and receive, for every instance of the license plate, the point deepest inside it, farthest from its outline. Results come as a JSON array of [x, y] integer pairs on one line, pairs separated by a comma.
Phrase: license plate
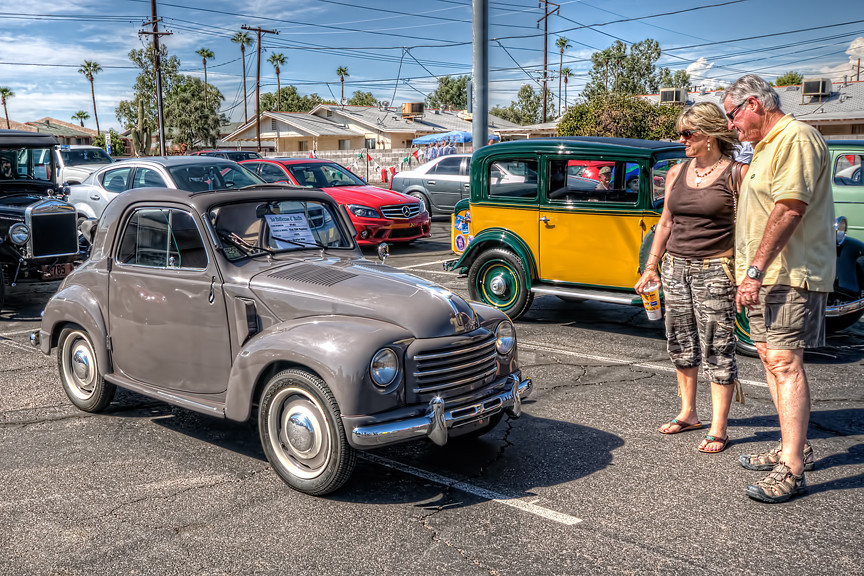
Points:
[[54, 271]]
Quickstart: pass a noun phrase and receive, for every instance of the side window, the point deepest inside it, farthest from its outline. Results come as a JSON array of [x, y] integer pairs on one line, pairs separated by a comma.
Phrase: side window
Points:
[[513, 178], [147, 178], [115, 180], [847, 170], [658, 180], [585, 180], [162, 238], [271, 172], [448, 167]]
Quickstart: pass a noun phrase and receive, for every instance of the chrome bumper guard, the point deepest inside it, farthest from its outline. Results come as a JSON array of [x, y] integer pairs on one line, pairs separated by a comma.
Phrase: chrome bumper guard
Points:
[[843, 309], [449, 265], [437, 420], [34, 339]]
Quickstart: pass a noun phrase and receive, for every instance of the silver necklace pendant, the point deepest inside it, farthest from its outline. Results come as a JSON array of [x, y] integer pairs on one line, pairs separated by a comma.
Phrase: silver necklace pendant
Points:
[[697, 180]]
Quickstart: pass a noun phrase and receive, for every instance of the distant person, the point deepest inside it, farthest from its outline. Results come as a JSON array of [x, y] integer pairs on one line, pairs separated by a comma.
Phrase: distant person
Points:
[[605, 177], [491, 141], [6, 168], [432, 151], [785, 266], [696, 231], [632, 185]]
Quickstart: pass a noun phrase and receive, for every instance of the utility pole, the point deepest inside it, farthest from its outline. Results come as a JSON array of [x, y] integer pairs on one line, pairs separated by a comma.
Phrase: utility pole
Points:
[[545, 19], [157, 72], [258, 81], [479, 72]]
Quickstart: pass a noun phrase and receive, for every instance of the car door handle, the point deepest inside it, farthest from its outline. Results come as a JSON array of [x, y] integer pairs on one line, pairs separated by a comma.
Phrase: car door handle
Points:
[[212, 291], [94, 197], [544, 219], [430, 182]]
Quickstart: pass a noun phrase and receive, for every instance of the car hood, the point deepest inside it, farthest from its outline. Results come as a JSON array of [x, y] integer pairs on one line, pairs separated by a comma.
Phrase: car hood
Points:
[[82, 171], [367, 195], [358, 287], [14, 204]]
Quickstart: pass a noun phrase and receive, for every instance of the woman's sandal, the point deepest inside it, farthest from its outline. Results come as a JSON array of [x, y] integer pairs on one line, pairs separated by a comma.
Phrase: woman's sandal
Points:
[[682, 426], [712, 440]]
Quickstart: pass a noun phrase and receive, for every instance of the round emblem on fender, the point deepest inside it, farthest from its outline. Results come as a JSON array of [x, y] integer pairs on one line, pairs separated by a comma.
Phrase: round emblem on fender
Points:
[[406, 211], [460, 242]]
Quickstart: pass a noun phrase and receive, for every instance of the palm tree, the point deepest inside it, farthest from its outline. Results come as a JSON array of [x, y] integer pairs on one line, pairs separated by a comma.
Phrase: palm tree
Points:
[[277, 59], [566, 73], [562, 44], [81, 115], [342, 71], [205, 55], [89, 69], [4, 94], [244, 40]]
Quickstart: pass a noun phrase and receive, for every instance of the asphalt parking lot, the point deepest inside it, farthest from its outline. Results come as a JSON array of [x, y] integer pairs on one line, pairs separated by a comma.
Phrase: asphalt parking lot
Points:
[[581, 484]]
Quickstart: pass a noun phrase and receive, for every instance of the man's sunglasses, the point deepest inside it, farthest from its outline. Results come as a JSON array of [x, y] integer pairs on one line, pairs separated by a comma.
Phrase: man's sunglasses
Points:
[[687, 133], [731, 115]]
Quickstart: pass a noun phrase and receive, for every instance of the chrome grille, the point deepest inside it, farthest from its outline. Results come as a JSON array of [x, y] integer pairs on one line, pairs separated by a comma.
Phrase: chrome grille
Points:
[[401, 211], [53, 229], [456, 369]]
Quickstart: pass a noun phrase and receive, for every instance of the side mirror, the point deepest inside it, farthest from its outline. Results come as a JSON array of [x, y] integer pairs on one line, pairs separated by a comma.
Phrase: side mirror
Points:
[[383, 251]]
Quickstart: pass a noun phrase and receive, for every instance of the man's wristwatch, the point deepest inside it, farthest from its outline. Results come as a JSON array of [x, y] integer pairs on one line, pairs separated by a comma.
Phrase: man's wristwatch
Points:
[[754, 273]]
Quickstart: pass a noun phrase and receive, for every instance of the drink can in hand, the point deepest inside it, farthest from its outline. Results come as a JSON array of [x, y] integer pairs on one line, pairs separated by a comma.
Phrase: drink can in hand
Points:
[[651, 300]]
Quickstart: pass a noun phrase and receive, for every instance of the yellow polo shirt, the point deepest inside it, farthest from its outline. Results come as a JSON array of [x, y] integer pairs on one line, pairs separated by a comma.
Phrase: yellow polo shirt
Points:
[[791, 162]]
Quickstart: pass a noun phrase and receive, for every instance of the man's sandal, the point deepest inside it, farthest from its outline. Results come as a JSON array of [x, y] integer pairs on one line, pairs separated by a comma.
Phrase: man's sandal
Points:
[[768, 460], [682, 426], [709, 439], [778, 486]]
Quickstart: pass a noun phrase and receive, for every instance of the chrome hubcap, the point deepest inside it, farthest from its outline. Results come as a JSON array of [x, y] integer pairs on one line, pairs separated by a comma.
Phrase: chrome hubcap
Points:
[[81, 364], [498, 285], [300, 433]]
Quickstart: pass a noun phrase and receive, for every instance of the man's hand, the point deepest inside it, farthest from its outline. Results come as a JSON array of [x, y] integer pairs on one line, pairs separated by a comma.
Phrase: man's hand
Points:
[[748, 294]]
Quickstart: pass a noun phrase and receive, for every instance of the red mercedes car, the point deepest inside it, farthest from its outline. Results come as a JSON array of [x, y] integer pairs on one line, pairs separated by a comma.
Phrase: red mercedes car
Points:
[[378, 215]]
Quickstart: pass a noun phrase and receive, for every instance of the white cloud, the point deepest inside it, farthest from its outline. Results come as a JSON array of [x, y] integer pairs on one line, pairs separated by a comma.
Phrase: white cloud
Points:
[[701, 74], [855, 51]]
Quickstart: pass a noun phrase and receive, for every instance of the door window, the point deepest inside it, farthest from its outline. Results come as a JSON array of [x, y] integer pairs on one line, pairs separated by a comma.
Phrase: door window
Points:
[[147, 178], [271, 173], [162, 238], [448, 167], [847, 170], [658, 180], [513, 178], [115, 180]]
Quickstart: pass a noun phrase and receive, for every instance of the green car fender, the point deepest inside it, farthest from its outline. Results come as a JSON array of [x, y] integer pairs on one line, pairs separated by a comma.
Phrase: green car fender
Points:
[[497, 238]]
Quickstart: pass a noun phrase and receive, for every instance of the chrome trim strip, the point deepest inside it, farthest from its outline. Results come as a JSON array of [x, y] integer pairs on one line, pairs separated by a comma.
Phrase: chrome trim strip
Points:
[[451, 384], [843, 309], [421, 357], [461, 366], [437, 420], [586, 294]]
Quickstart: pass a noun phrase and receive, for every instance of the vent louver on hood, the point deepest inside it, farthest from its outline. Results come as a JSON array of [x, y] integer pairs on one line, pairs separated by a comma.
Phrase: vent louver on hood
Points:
[[313, 274]]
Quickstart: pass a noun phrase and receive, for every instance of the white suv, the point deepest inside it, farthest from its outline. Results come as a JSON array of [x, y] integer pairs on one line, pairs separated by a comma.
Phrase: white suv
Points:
[[75, 162]]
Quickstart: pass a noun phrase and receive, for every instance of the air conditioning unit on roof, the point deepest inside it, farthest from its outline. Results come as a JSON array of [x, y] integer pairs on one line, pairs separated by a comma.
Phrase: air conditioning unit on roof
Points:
[[673, 96], [817, 87], [413, 109]]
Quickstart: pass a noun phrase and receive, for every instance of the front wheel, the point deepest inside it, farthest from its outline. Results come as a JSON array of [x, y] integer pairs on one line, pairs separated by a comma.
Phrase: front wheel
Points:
[[302, 434], [79, 372], [743, 344], [498, 278]]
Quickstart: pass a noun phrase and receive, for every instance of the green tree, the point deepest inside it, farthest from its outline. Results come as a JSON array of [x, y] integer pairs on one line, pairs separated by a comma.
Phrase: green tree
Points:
[[243, 39], [205, 55], [562, 44], [450, 92], [362, 99], [291, 101], [566, 73], [621, 116], [790, 78], [342, 72], [90, 69], [277, 60], [678, 79], [5, 94], [625, 70], [192, 121], [526, 109], [81, 115], [118, 145]]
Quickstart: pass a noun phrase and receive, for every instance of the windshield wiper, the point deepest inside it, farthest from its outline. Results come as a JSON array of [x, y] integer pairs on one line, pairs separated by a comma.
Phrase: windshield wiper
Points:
[[242, 245], [301, 244]]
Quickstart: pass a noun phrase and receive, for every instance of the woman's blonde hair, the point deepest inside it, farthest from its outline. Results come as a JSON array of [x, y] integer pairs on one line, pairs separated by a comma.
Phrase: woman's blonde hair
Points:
[[708, 118]]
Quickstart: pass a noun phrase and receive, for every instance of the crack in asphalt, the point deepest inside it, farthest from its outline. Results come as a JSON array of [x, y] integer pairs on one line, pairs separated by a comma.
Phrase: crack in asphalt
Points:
[[69, 412]]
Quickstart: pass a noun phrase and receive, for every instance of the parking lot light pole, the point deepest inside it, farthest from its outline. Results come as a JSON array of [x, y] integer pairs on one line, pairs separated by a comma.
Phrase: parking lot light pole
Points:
[[480, 72]]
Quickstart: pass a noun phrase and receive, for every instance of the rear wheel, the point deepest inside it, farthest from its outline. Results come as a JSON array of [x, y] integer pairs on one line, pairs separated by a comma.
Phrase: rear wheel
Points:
[[837, 323], [498, 278], [743, 344]]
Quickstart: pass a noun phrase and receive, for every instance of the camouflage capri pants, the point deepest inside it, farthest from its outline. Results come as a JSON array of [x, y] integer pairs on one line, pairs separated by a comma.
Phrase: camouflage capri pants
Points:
[[700, 315]]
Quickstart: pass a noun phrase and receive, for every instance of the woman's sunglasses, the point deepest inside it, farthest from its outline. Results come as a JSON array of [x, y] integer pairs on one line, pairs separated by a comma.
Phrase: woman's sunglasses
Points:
[[687, 133]]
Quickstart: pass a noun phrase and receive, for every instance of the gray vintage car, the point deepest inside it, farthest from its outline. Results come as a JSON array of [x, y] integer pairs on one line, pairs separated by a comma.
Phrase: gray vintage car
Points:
[[232, 302]]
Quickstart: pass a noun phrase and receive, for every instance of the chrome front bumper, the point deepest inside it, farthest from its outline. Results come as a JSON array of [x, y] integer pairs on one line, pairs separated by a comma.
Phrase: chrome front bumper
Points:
[[437, 420], [843, 309]]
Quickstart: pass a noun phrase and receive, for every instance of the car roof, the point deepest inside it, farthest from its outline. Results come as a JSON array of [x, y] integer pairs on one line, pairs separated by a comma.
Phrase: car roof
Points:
[[845, 143], [22, 138], [293, 160], [580, 144], [171, 161]]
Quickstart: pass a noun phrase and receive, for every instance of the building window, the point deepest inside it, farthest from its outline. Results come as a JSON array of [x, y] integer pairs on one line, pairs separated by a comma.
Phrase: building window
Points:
[[345, 144], [272, 125], [303, 145], [370, 143]]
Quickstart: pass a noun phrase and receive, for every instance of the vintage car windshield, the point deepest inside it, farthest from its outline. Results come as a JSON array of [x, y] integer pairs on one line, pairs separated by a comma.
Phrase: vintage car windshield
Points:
[[200, 177], [317, 175], [78, 157], [25, 164], [261, 227]]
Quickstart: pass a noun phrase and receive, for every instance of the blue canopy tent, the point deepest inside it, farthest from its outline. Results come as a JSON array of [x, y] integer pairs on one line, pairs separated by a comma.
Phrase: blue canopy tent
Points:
[[454, 136]]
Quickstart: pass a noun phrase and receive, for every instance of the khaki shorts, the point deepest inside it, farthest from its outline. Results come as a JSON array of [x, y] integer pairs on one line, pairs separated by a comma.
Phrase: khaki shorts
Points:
[[788, 318]]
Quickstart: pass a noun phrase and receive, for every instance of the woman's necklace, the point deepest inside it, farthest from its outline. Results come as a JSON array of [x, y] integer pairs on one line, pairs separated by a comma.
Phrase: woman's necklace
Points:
[[699, 177]]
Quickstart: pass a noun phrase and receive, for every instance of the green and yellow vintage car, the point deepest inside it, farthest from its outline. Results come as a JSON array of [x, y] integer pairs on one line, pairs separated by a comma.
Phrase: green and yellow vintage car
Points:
[[847, 157], [579, 222]]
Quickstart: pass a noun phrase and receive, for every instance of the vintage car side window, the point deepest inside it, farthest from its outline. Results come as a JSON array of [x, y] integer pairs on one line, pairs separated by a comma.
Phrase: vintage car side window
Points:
[[147, 178], [847, 170], [658, 179], [162, 238], [513, 178], [115, 180], [586, 180], [448, 167]]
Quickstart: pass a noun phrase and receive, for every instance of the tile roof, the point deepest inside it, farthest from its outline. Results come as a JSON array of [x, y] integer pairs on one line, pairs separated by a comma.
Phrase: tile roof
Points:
[[77, 127], [60, 128]]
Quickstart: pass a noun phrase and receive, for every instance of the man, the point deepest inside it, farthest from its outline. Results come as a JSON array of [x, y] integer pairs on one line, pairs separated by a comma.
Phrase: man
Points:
[[785, 267], [605, 176], [5, 167]]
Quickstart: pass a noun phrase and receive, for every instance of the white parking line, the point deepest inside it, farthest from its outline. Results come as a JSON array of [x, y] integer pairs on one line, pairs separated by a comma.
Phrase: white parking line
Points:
[[647, 365], [13, 344], [424, 264], [519, 503]]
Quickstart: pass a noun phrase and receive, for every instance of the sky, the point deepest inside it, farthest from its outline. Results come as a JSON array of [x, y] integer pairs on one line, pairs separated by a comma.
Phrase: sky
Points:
[[398, 50]]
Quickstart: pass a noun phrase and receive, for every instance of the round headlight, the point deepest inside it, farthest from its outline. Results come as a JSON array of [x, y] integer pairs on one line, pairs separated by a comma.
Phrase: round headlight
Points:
[[505, 337], [384, 367], [19, 234], [840, 226]]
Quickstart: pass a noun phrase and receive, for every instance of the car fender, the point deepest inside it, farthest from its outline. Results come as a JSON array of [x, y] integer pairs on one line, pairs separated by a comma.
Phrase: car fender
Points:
[[76, 305], [337, 349], [85, 210], [850, 266], [497, 237]]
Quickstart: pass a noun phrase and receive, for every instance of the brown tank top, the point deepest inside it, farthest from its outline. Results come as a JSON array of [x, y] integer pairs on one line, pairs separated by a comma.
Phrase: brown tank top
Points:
[[702, 218]]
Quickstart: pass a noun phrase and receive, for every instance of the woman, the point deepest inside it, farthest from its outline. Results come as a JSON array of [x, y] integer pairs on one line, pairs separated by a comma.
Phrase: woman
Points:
[[696, 232]]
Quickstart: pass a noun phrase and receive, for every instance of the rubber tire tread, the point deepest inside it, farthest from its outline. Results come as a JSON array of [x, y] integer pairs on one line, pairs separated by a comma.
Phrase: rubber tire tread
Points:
[[523, 301]]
